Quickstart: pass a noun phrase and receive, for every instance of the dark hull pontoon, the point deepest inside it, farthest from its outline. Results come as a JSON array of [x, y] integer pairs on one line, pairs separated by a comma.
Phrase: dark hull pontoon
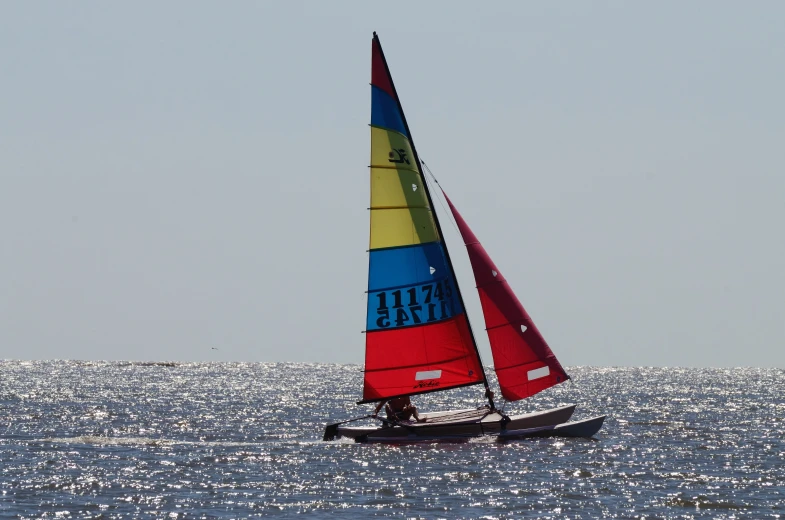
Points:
[[585, 428]]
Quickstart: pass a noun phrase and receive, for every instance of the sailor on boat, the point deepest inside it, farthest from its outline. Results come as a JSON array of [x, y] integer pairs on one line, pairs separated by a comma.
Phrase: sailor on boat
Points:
[[399, 409]]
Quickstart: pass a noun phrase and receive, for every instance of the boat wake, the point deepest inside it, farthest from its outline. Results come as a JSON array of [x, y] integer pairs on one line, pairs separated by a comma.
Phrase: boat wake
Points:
[[100, 440]]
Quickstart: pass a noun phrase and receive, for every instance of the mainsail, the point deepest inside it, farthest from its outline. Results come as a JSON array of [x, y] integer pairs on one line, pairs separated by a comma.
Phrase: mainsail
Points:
[[522, 359], [418, 338]]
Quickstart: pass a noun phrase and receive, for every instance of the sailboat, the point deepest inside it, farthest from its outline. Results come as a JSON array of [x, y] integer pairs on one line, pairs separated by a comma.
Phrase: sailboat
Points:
[[418, 338]]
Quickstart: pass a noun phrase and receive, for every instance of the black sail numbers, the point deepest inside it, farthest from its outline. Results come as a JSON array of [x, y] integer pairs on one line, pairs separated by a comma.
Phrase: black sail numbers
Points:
[[407, 306]]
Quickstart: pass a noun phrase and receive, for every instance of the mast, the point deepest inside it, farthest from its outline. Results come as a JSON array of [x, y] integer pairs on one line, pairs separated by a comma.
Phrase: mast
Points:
[[435, 217]]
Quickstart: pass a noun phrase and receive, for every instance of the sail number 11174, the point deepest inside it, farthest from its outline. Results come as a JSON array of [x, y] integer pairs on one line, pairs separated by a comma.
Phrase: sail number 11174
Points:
[[415, 305]]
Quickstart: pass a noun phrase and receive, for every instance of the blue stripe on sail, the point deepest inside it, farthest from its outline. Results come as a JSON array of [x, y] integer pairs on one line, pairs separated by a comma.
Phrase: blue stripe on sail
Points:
[[410, 286], [384, 111], [403, 266]]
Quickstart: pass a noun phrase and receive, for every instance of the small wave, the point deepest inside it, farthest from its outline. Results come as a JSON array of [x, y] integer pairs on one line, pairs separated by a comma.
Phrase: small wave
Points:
[[148, 364], [113, 441], [701, 502], [485, 439]]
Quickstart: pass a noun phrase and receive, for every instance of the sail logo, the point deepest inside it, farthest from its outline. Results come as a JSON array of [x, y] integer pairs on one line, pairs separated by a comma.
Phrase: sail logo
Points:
[[427, 379], [398, 156], [431, 383]]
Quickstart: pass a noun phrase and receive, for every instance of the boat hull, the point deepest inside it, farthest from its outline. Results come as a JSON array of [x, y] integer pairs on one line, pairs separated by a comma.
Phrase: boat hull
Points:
[[439, 426], [585, 428]]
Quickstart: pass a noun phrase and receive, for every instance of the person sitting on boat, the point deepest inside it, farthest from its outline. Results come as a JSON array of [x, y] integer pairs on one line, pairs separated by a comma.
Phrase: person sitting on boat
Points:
[[399, 409]]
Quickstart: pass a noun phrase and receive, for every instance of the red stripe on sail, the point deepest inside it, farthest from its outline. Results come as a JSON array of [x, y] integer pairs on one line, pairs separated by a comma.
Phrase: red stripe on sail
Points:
[[518, 348], [379, 76], [520, 353], [420, 359]]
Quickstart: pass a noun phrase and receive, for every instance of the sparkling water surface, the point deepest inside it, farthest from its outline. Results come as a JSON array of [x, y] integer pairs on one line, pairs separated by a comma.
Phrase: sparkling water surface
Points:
[[239, 440]]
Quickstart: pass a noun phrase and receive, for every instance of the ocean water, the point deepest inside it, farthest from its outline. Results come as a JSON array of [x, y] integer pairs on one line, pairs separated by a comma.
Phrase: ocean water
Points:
[[240, 440]]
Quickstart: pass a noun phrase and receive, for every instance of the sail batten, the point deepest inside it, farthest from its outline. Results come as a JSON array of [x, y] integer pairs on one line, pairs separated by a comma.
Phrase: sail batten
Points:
[[418, 338], [375, 208], [417, 375], [523, 361]]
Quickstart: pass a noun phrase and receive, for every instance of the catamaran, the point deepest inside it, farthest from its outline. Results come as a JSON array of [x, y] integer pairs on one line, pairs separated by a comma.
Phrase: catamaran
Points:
[[418, 338]]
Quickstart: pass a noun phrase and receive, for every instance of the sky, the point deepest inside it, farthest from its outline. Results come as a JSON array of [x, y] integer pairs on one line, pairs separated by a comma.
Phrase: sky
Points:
[[188, 181]]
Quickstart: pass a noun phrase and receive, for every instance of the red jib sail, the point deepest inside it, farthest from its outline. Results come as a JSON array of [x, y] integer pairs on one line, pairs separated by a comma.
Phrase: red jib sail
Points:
[[522, 359]]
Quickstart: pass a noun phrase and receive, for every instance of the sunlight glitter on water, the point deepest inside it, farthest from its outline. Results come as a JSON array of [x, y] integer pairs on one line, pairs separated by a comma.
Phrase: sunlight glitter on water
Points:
[[126, 440]]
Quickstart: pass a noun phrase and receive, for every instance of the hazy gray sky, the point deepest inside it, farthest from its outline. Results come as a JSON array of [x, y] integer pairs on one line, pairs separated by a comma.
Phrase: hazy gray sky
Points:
[[177, 176]]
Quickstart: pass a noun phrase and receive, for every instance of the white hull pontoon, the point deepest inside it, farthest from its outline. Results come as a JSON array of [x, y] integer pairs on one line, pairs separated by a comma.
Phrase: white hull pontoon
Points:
[[456, 425]]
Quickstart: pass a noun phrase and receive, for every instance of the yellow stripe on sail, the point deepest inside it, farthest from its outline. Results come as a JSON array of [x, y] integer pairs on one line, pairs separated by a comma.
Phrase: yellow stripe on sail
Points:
[[400, 213], [397, 188], [401, 227], [391, 149]]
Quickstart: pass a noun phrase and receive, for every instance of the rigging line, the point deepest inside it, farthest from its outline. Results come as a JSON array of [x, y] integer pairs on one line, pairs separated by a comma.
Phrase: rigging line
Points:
[[441, 197]]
